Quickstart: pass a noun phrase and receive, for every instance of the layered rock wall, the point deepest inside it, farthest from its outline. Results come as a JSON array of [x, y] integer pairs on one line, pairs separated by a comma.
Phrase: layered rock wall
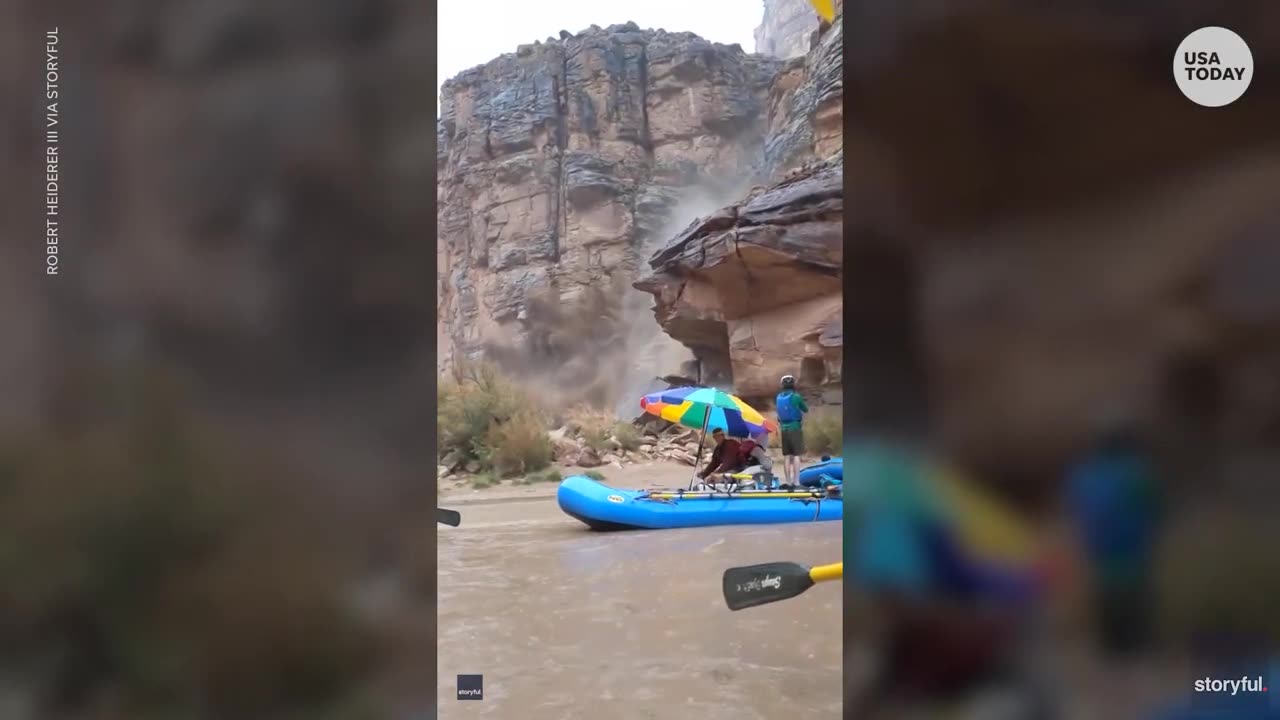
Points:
[[806, 107], [786, 28], [561, 163], [1006, 300], [756, 286]]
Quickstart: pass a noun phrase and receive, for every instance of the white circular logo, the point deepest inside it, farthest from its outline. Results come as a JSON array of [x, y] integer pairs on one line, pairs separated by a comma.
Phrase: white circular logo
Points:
[[1213, 67], [616, 499]]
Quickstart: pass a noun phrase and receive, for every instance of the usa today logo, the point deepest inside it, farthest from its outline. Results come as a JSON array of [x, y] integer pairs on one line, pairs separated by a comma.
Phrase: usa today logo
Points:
[[1213, 67]]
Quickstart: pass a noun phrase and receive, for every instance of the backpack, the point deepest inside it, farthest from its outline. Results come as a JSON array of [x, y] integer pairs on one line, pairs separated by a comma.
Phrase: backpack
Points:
[[787, 411]]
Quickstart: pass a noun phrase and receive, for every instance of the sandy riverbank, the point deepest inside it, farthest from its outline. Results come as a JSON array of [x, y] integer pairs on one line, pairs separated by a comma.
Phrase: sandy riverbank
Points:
[[460, 490]]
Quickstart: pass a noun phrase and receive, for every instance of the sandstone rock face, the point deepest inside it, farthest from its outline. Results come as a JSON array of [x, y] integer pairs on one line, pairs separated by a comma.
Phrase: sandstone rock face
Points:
[[561, 163], [756, 285], [785, 30], [754, 289], [806, 107]]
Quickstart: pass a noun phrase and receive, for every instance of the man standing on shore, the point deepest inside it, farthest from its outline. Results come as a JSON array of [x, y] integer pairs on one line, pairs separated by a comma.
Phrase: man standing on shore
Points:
[[791, 409]]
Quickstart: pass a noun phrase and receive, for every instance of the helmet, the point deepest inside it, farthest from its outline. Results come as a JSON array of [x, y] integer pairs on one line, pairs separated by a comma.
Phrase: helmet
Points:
[[788, 381]]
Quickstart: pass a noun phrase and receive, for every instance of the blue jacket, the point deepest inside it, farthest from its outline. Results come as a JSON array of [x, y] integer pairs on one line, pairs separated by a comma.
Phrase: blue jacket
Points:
[[1112, 497], [791, 407]]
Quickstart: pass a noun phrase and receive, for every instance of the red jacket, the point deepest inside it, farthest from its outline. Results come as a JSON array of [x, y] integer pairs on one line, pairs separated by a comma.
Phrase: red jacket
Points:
[[725, 457]]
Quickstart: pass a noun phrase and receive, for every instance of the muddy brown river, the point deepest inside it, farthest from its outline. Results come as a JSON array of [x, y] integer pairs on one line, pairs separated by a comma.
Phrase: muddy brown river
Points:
[[565, 623]]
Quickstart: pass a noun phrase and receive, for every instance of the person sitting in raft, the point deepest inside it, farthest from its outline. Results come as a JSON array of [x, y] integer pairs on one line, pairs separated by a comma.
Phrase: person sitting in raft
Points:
[[725, 456], [756, 461]]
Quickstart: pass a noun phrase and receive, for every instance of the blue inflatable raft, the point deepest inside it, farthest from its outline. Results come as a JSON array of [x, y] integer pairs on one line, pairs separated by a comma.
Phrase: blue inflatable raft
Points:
[[601, 507], [827, 471]]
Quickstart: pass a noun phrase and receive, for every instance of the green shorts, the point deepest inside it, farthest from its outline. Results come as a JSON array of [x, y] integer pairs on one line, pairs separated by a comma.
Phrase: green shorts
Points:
[[793, 441]]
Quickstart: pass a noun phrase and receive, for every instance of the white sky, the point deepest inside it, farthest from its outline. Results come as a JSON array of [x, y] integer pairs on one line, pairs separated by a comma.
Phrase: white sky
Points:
[[472, 33]]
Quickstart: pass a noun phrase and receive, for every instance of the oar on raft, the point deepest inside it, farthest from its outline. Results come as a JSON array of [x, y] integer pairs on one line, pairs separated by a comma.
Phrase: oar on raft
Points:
[[832, 492], [739, 495]]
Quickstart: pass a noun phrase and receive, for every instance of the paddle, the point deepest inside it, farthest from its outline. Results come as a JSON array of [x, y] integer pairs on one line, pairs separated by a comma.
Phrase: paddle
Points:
[[737, 495], [448, 517], [746, 587], [830, 493]]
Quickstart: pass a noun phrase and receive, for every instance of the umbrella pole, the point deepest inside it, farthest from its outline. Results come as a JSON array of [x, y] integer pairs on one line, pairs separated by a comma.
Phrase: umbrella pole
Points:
[[706, 419]]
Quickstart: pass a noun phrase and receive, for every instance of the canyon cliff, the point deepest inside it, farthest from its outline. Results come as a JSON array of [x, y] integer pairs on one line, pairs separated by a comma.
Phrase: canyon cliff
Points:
[[785, 28], [561, 166], [565, 166], [1005, 303], [756, 286], [1010, 281]]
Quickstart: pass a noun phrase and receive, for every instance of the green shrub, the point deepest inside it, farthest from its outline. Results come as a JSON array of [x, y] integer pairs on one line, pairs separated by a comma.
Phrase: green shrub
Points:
[[468, 406], [594, 475], [628, 435], [547, 476], [484, 417], [519, 446], [596, 438], [601, 430], [824, 431], [594, 426]]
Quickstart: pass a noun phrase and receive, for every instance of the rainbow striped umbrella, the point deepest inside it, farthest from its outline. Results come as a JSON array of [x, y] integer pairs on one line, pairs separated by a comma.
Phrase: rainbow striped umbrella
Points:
[[701, 408]]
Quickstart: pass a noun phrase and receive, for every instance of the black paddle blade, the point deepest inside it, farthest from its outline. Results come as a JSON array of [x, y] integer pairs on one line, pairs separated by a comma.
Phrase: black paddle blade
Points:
[[746, 587], [448, 517]]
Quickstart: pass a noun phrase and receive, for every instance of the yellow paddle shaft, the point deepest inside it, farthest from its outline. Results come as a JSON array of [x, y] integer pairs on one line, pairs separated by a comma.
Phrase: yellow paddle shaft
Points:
[[834, 571]]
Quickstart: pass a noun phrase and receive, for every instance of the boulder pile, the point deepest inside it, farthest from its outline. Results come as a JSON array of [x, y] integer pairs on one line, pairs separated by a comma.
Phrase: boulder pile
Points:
[[658, 440]]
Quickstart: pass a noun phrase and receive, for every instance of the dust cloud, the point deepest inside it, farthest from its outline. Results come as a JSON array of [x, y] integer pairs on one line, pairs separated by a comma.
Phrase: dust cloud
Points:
[[604, 348]]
